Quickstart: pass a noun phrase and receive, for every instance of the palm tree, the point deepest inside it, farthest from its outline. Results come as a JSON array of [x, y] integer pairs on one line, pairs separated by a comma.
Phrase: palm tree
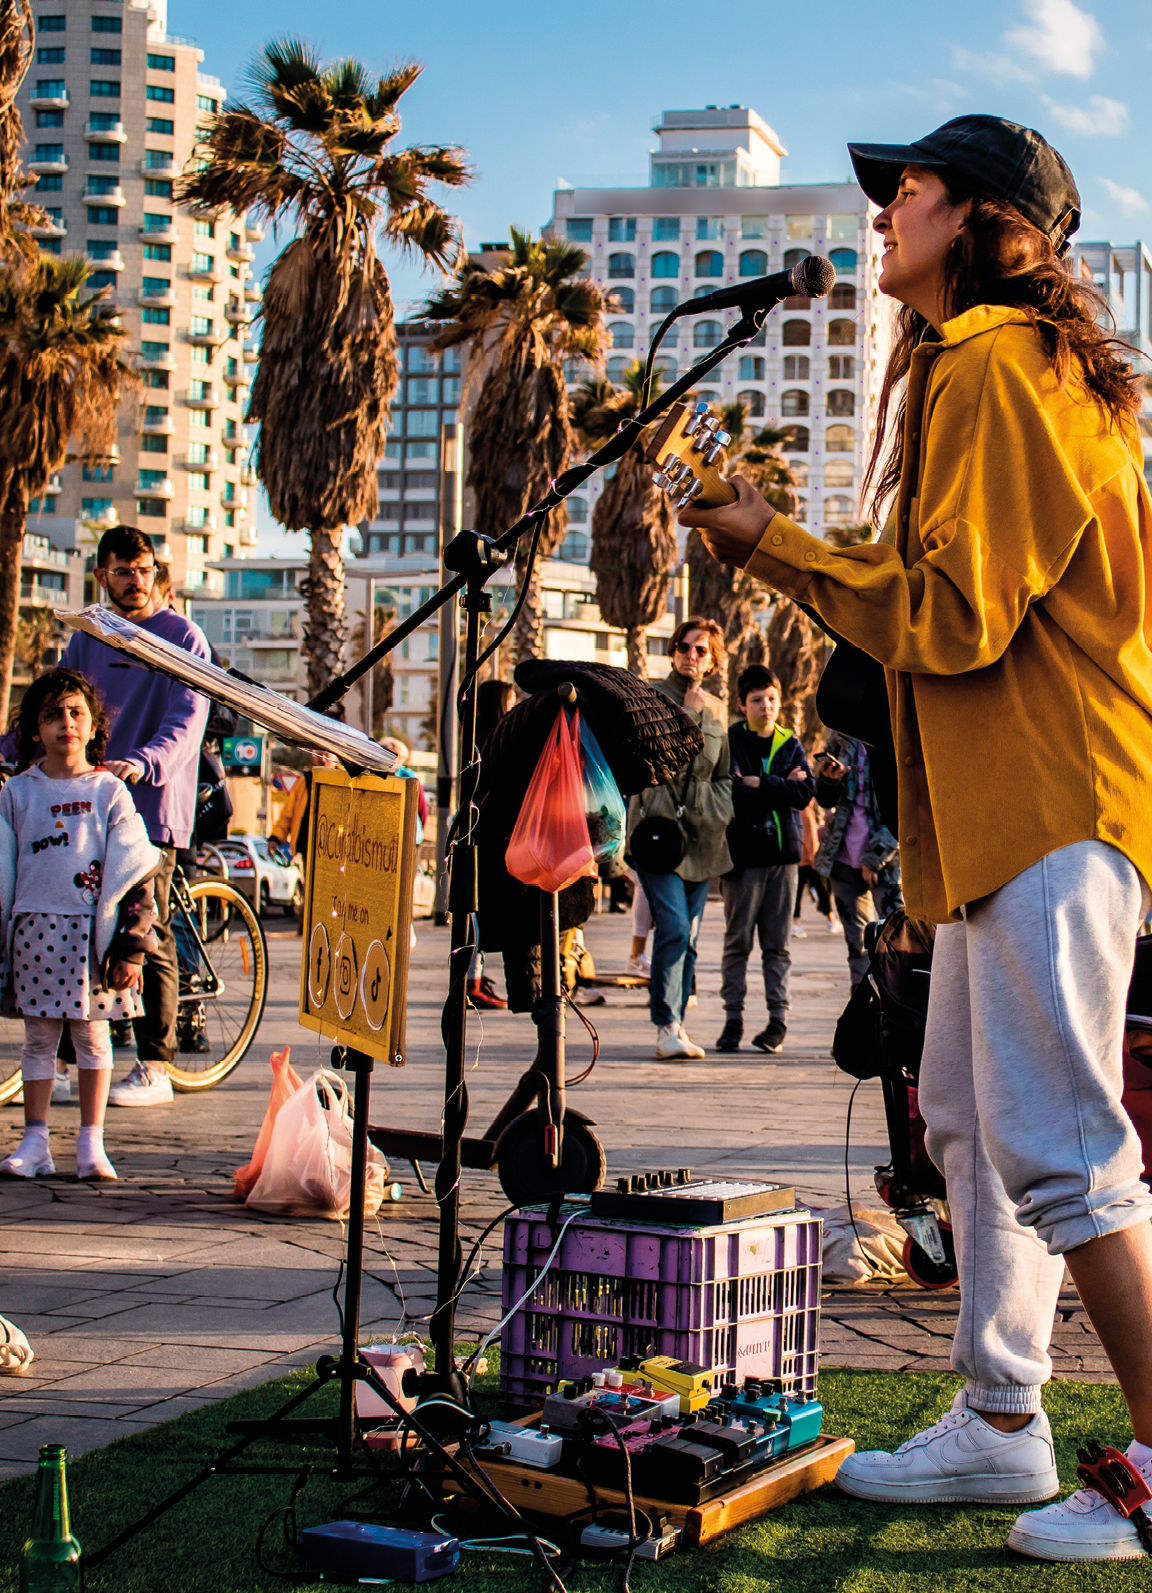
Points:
[[633, 531], [38, 633], [523, 319], [16, 34], [61, 377], [313, 149]]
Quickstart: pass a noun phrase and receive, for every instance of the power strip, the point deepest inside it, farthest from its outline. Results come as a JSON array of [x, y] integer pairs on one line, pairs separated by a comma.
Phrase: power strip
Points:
[[610, 1541], [527, 1445]]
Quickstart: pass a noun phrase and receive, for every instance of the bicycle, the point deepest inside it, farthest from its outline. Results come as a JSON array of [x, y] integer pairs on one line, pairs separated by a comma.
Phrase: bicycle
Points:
[[223, 962]]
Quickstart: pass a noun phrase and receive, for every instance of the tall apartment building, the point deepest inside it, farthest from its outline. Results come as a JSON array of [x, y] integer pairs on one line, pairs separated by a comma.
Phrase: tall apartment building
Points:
[[1123, 274], [715, 211], [111, 105]]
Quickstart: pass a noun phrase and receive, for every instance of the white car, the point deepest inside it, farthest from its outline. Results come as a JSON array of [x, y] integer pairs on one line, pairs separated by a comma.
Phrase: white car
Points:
[[262, 878]]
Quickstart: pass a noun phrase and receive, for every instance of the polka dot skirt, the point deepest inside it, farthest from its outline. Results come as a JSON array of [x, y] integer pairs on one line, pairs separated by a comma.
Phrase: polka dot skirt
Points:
[[54, 972]]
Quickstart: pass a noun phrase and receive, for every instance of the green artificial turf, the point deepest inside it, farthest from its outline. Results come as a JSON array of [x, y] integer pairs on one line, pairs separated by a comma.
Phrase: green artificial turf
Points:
[[820, 1541]]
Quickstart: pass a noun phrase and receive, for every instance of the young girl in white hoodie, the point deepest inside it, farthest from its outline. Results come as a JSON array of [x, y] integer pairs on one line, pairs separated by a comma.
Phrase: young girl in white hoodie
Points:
[[76, 910]]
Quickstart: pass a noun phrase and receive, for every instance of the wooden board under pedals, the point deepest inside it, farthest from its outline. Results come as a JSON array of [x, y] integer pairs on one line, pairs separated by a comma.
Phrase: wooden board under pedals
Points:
[[549, 1493]]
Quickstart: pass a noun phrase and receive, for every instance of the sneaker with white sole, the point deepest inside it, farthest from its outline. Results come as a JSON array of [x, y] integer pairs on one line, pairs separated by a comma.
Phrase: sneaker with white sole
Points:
[[1082, 1527], [639, 967], [61, 1091], [30, 1159], [694, 1050], [148, 1084], [960, 1460], [673, 1045]]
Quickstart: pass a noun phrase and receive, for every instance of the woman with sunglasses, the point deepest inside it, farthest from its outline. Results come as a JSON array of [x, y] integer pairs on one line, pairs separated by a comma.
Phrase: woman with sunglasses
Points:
[[1008, 599], [700, 799]]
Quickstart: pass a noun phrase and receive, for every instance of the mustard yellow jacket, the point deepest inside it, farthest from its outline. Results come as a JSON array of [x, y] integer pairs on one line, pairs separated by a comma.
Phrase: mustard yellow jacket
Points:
[[1009, 602]]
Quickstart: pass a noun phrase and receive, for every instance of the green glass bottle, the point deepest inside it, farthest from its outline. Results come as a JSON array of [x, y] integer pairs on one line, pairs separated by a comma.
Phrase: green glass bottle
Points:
[[50, 1560]]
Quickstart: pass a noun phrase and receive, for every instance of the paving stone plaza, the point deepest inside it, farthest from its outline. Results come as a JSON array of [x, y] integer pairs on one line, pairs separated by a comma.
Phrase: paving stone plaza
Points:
[[156, 1294]]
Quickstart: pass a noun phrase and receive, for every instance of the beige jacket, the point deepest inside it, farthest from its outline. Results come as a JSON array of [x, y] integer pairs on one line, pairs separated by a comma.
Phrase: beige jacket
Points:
[[708, 798]]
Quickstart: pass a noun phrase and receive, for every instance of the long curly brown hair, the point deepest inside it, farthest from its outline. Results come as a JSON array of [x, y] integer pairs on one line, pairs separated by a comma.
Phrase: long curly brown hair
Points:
[[51, 688], [1001, 258]]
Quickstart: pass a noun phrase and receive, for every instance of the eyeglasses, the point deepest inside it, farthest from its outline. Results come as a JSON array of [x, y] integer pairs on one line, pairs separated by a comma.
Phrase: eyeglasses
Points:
[[146, 572], [687, 647]]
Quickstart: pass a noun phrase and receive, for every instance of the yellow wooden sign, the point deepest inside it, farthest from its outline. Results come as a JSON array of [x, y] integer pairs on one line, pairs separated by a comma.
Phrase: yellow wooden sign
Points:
[[358, 911]]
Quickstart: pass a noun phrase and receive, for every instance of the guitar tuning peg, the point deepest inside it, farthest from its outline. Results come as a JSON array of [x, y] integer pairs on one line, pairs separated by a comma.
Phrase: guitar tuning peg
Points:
[[713, 454], [723, 438], [691, 427], [701, 408], [694, 491], [661, 480]]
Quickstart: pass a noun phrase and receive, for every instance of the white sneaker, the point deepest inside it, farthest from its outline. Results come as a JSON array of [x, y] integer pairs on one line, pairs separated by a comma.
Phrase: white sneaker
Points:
[[148, 1084], [961, 1460], [640, 967], [693, 1048], [30, 1159], [671, 1044], [799, 932], [61, 1089], [95, 1168], [1082, 1527], [834, 927]]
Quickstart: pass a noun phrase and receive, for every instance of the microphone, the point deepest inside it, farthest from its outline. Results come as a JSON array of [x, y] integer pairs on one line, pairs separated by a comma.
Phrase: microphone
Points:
[[812, 277]]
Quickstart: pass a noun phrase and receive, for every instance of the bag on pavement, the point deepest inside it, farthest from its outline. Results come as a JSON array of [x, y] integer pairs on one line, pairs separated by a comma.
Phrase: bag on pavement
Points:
[[550, 845], [308, 1169], [15, 1351], [285, 1082], [603, 804]]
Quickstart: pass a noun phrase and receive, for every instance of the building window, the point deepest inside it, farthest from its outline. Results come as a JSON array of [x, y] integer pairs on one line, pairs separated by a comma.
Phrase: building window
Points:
[[101, 279], [622, 300], [104, 90], [102, 24], [103, 185], [579, 229], [203, 229], [422, 389], [794, 401], [423, 423], [154, 508], [839, 440], [108, 153], [707, 334], [621, 229], [96, 472], [156, 379], [753, 263], [796, 441], [161, 63], [101, 249], [709, 227], [203, 103], [577, 511], [153, 444], [574, 548], [420, 358], [101, 57], [621, 265], [158, 251], [49, 118], [166, 96], [197, 453], [663, 299], [451, 390], [57, 24], [197, 515], [49, 151], [838, 511], [201, 326], [841, 402], [841, 332], [843, 296], [157, 188], [753, 402], [95, 506], [709, 263], [841, 366], [666, 367], [50, 55], [103, 215], [666, 264], [843, 259], [148, 284], [839, 473], [665, 228], [793, 257], [198, 480], [800, 513], [49, 183], [151, 316], [50, 246], [617, 369], [622, 333], [161, 126], [754, 226], [796, 367], [751, 368], [798, 334]]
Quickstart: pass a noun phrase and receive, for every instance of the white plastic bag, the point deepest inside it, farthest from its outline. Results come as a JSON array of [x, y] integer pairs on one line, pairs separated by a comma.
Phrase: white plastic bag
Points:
[[307, 1171], [15, 1351], [872, 1253]]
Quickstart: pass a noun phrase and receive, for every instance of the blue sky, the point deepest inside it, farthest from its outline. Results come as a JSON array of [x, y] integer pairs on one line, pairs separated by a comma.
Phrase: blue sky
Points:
[[540, 92]]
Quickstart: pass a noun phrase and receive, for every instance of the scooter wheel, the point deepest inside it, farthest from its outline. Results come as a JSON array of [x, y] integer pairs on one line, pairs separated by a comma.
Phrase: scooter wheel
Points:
[[525, 1173], [925, 1272]]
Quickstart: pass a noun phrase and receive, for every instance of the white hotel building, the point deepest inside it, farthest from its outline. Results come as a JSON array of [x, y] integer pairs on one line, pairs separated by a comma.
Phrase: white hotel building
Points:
[[715, 211]]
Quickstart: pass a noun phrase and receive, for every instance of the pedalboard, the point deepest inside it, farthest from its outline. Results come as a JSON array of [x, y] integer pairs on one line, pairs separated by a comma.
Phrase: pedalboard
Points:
[[622, 1405], [679, 1198], [690, 1383], [528, 1446], [354, 1551]]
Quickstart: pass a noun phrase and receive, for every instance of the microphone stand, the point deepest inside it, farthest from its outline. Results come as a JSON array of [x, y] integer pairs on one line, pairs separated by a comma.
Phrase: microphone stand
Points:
[[476, 558]]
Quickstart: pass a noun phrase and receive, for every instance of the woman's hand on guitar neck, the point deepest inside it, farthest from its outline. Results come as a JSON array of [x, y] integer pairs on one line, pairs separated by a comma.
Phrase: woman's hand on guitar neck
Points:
[[732, 533]]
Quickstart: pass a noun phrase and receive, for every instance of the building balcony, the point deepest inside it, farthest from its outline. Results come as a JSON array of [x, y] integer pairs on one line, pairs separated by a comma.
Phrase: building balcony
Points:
[[161, 489], [215, 273], [50, 102], [165, 234], [102, 520], [207, 399], [38, 550], [250, 356], [254, 232], [246, 536], [253, 292], [203, 339], [241, 251], [238, 314], [49, 168], [157, 160], [166, 299], [50, 229], [106, 135], [114, 196], [156, 362], [237, 498], [247, 475], [210, 460], [107, 262], [158, 428], [196, 525], [236, 378]]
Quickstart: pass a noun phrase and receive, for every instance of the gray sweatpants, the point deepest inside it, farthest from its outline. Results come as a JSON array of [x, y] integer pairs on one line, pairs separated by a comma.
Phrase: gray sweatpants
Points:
[[759, 902], [1020, 1087]]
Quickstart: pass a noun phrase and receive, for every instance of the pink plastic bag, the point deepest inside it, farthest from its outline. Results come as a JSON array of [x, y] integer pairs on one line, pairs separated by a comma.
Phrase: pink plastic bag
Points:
[[308, 1169], [550, 845], [285, 1083]]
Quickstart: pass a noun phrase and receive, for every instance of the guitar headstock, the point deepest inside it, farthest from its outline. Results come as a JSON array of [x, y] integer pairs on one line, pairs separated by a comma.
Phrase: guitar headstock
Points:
[[688, 448]]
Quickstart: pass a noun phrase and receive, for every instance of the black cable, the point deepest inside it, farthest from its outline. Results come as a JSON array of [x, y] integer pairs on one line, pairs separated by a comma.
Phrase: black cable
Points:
[[580, 1077], [291, 1534], [847, 1179], [510, 1509], [336, 1297]]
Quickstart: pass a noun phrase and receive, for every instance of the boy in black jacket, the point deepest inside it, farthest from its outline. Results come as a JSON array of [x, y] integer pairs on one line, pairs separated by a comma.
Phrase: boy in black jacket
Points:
[[772, 783]]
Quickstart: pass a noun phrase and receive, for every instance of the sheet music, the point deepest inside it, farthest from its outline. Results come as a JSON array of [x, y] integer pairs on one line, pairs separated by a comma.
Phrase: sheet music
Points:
[[291, 722]]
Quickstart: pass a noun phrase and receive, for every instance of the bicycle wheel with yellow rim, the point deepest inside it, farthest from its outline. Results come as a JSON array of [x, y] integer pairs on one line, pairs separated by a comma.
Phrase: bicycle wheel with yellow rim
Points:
[[223, 960]]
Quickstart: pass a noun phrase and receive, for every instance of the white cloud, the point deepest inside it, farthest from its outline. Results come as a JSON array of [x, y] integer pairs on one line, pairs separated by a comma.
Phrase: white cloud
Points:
[[1000, 68], [1129, 201], [1063, 39], [1102, 117]]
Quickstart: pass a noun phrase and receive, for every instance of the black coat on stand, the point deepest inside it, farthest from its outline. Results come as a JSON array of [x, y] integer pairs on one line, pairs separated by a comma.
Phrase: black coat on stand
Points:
[[645, 738]]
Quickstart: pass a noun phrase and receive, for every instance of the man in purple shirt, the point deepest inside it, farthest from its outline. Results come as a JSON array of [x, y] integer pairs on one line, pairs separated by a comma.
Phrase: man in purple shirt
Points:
[[154, 744]]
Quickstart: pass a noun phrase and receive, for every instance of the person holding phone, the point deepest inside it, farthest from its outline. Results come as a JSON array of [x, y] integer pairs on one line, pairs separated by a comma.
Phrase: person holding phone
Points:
[[1007, 599]]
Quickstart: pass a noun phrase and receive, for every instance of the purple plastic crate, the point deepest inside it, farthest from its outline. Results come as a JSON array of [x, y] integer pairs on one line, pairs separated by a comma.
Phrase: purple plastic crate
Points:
[[741, 1297]]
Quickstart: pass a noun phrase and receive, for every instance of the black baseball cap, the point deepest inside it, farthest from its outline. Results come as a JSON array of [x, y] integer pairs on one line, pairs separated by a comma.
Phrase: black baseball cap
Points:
[[997, 156]]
